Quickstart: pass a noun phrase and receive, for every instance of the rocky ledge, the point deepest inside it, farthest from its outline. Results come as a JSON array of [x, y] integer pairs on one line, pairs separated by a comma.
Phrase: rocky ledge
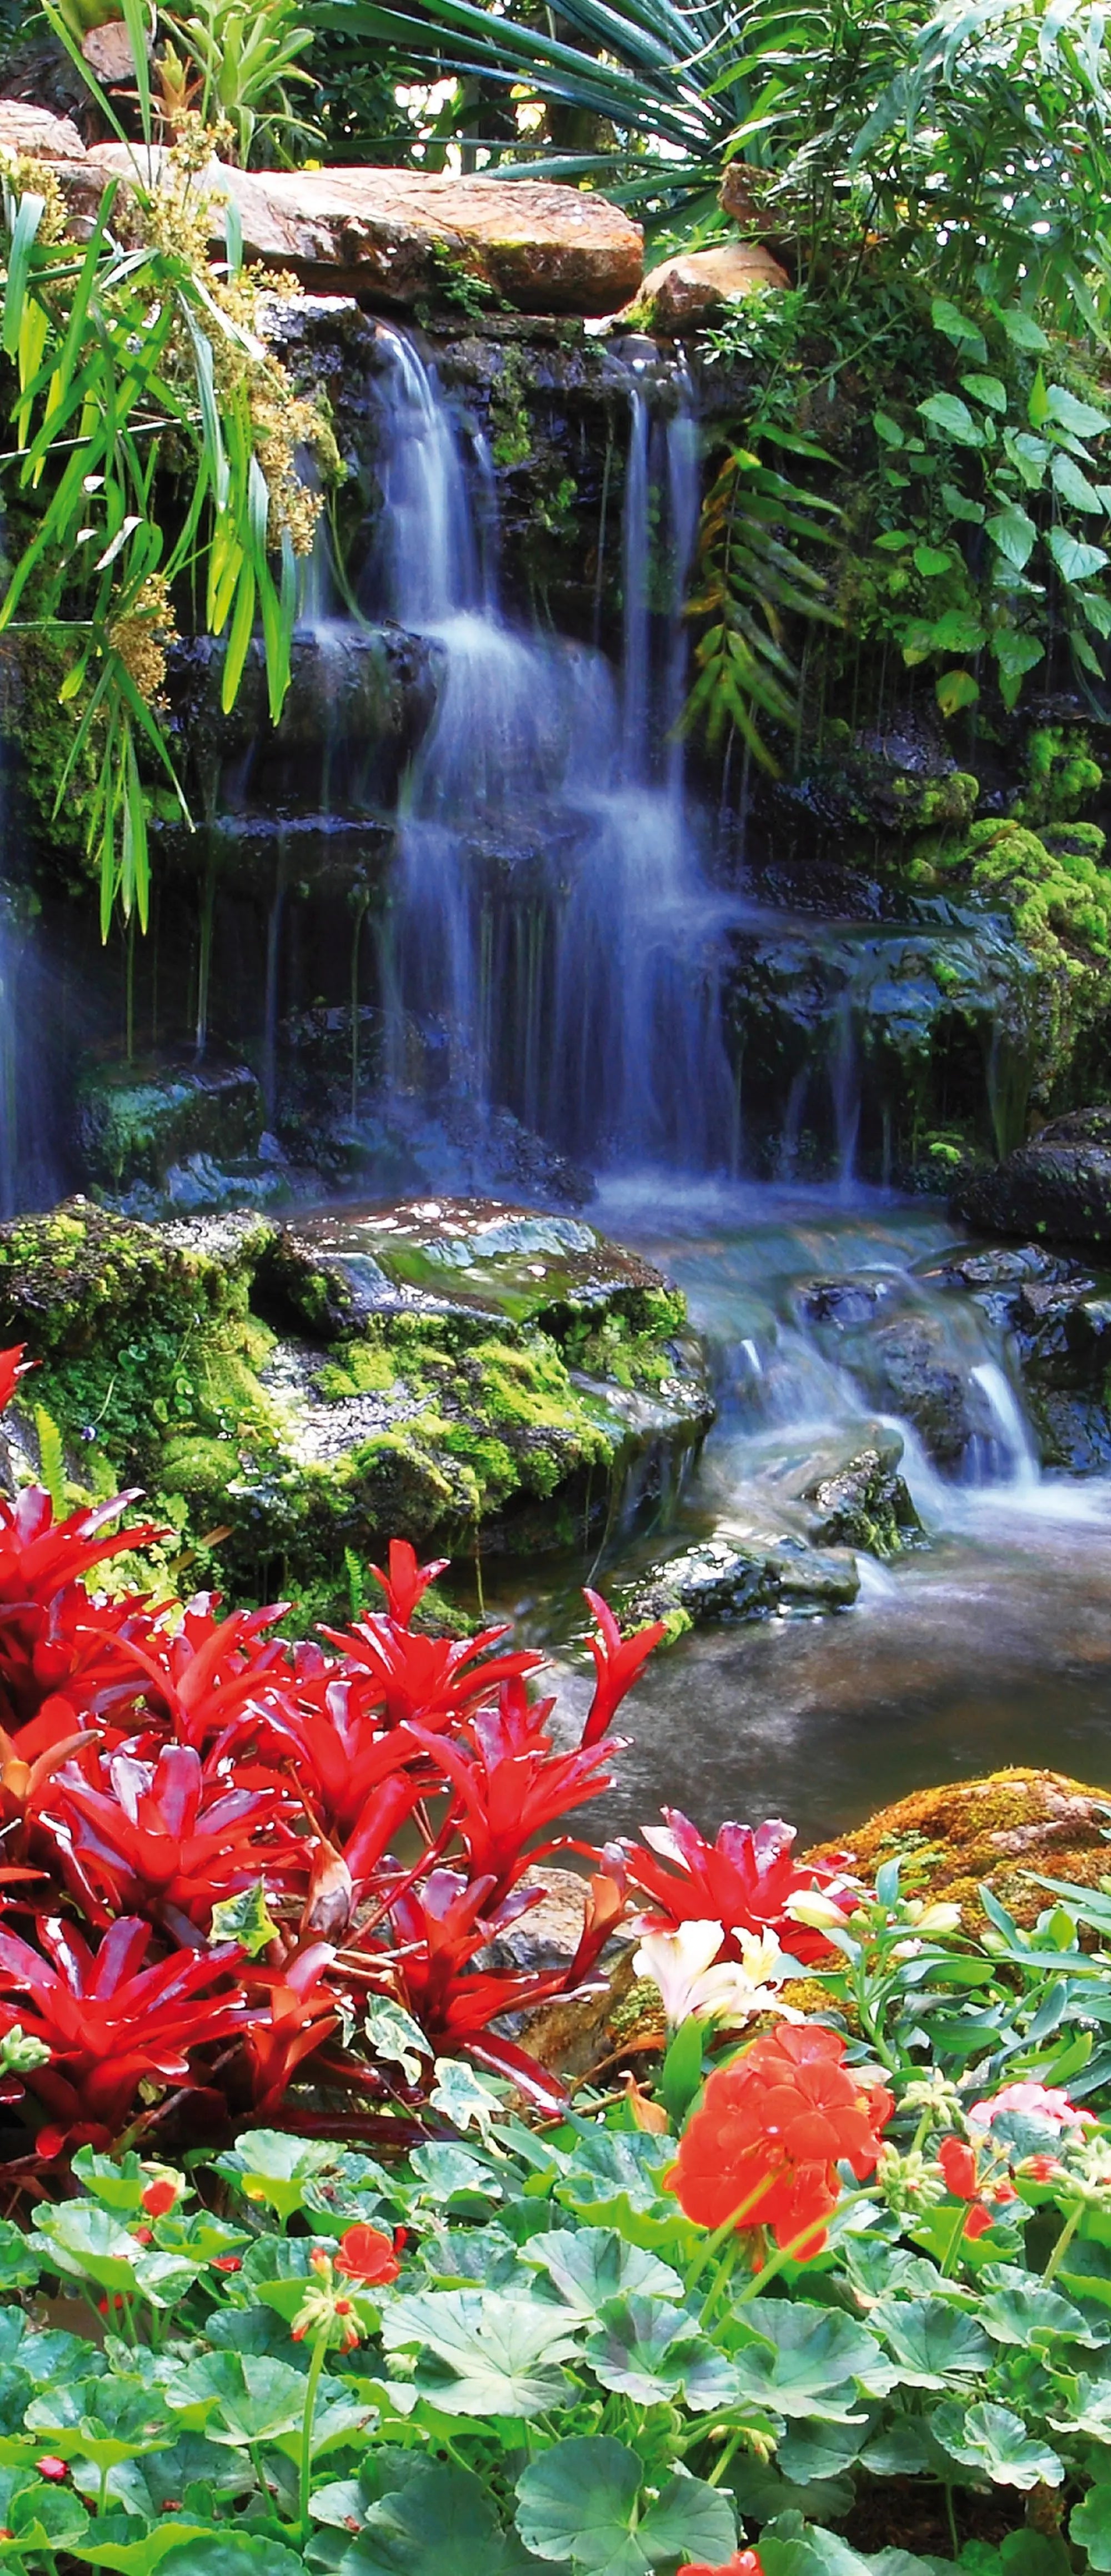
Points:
[[393, 236], [1057, 1187], [478, 1376]]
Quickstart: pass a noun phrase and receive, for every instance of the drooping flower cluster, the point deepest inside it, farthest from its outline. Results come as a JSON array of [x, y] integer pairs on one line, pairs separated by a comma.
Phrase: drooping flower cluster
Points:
[[202, 1864], [764, 2146]]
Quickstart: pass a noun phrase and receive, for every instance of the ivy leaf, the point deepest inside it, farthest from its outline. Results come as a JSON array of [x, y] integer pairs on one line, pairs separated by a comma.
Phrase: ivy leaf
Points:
[[1090, 2527], [455, 2176], [656, 2355], [395, 2036], [954, 690], [1081, 418], [807, 2361], [994, 2440], [956, 326], [1074, 486], [462, 2096], [245, 1918], [1013, 531], [481, 2352], [949, 414], [932, 2340], [1075, 561], [239, 2397], [589, 2265], [987, 389]]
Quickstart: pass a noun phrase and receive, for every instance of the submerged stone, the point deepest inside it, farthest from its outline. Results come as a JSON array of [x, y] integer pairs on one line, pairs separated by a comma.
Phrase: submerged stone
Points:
[[725, 1578]]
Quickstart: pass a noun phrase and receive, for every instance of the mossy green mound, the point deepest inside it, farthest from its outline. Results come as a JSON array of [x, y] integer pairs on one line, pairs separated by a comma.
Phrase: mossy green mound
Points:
[[291, 1400]]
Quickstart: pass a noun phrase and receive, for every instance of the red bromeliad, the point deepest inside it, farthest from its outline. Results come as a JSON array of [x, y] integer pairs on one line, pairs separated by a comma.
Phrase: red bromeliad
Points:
[[159, 1839], [110, 2022], [742, 1880]]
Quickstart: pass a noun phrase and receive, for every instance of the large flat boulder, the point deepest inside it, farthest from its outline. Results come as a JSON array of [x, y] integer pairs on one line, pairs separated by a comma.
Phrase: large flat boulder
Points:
[[1003, 1832], [684, 293], [395, 236], [1056, 1188], [34, 131]]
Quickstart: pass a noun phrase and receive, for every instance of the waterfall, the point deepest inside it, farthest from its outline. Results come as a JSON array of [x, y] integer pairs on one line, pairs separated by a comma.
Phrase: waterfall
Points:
[[551, 916]]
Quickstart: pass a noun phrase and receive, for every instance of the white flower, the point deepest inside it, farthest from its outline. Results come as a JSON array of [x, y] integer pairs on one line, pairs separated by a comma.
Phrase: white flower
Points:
[[940, 1918], [680, 1964], [810, 1905]]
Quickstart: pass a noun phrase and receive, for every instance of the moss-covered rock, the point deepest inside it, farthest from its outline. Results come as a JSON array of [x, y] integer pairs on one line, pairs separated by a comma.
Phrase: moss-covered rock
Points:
[[134, 1121], [290, 1402], [1000, 1832]]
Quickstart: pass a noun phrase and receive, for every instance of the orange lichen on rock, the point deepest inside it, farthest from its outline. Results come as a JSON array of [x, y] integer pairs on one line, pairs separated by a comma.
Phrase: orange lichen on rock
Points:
[[1001, 1832]]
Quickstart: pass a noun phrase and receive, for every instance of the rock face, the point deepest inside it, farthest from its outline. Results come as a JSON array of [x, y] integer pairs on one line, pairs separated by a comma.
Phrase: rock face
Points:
[[35, 131], [683, 293], [1057, 1187], [1057, 1315], [484, 1375], [395, 236], [1001, 1832], [141, 1120]]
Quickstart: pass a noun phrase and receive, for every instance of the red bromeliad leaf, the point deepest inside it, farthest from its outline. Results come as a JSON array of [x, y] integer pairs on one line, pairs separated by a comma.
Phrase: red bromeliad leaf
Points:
[[161, 1839], [13, 1366], [407, 1582], [617, 1661], [109, 2021], [742, 1880]]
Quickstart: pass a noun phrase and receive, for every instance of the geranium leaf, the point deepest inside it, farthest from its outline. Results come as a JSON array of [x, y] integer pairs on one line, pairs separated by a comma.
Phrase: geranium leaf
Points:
[[239, 2397], [1090, 2527], [271, 2168], [808, 2360], [577, 2502], [441, 2519], [588, 2265], [995, 2440], [654, 2354], [231, 2553], [931, 2340], [481, 2352]]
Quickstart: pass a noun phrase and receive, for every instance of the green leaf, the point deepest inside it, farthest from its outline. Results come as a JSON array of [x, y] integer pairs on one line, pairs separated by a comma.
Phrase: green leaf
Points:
[[1021, 329], [231, 2553], [655, 2354], [1021, 2312], [807, 2361], [1081, 418], [588, 2265], [238, 2398], [87, 2243], [139, 2557], [949, 414], [931, 561], [441, 2519], [994, 2440], [987, 389], [1074, 486], [887, 429], [692, 2520], [578, 2503], [1013, 531], [396, 2037], [618, 2179], [461, 2095], [244, 1918], [1075, 561], [1090, 2527], [269, 2167], [19, 2265], [932, 2340], [681, 2073], [954, 690], [956, 326], [481, 2352], [29, 215]]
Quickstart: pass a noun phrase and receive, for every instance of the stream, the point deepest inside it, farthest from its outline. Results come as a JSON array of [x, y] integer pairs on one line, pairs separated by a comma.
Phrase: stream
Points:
[[989, 1645]]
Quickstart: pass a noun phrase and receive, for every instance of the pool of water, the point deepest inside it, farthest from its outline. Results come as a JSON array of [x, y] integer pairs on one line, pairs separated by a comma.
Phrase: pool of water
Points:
[[992, 1645]]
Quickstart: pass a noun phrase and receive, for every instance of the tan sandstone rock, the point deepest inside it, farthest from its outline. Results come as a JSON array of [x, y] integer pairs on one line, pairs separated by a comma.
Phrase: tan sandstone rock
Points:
[[397, 235], [689, 290], [33, 130], [1003, 1832]]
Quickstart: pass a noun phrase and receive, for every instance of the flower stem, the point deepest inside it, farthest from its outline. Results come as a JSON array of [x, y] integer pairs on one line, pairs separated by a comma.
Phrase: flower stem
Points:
[[1063, 2243], [316, 2365], [789, 2253], [949, 2260]]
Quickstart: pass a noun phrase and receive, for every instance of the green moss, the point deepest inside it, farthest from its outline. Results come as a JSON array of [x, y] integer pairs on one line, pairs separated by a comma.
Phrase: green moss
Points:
[[509, 413], [1058, 897], [1061, 776]]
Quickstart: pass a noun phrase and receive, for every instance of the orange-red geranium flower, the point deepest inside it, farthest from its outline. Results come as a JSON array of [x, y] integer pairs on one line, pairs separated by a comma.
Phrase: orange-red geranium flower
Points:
[[770, 2132], [365, 2254], [744, 2562]]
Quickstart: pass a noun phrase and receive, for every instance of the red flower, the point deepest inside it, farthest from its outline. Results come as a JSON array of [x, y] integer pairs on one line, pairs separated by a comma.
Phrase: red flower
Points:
[[366, 2255], [958, 2165], [617, 1661], [227, 2263], [407, 1582], [163, 1840], [770, 2132], [51, 2467], [109, 2022], [159, 2198], [978, 2220], [1043, 2168], [742, 1880], [143, 2235], [744, 2562]]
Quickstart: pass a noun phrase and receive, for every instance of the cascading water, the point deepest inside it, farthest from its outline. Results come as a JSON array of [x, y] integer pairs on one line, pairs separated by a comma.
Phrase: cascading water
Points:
[[551, 911]]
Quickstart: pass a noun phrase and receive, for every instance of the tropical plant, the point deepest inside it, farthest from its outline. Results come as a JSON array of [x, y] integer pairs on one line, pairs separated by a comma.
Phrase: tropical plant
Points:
[[236, 62], [125, 351], [752, 582]]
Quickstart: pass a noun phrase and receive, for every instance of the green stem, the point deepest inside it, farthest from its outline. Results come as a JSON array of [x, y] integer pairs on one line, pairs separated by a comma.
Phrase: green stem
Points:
[[721, 2275], [953, 2247], [720, 2465], [709, 2252], [316, 2365], [789, 2253], [1064, 2240]]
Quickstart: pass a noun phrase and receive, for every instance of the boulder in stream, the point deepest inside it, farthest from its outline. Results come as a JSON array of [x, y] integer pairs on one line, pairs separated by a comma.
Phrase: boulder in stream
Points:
[[1056, 1188], [469, 1376], [1056, 1313], [1002, 1832], [717, 1581]]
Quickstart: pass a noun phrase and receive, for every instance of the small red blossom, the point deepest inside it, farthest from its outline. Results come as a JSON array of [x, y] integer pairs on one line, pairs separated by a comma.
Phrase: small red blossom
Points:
[[227, 2262], [365, 2254], [744, 2562], [765, 2144], [978, 2220], [958, 2166], [51, 2467], [143, 2235], [1043, 2168], [171, 2504], [110, 2301], [159, 2198]]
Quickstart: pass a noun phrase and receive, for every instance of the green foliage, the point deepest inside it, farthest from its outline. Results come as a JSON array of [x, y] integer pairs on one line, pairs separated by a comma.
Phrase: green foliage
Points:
[[244, 54], [751, 579]]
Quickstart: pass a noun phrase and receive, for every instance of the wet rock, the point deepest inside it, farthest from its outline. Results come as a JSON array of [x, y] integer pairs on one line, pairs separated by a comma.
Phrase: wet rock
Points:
[[865, 1503], [684, 293], [1058, 1186], [302, 1395], [727, 1578], [999, 1832], [1057, 1315], [360, 702], [134, 1121], [845, 1302], [397, 236], [898, 779], [909, 1370]]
